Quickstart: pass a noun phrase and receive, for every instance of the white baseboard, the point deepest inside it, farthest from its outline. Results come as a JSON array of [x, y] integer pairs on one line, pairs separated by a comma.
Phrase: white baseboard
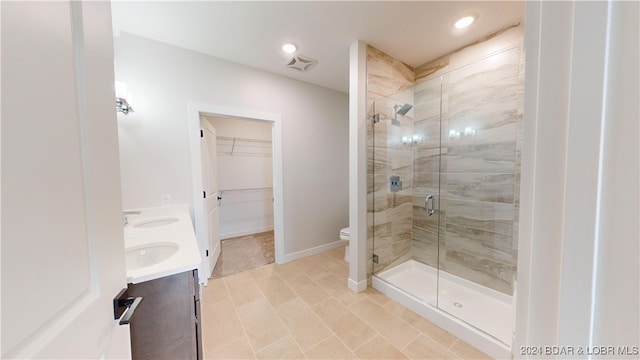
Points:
[[357, 286], [314, 250], [246, 232]]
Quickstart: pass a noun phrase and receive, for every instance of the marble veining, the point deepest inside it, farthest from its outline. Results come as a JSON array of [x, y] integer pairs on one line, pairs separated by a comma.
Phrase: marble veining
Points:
[[493, 217], [467, 124], [479, 186]]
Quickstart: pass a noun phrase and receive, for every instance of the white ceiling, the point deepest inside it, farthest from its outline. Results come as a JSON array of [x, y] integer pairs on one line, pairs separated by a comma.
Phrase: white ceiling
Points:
[[252, 33]]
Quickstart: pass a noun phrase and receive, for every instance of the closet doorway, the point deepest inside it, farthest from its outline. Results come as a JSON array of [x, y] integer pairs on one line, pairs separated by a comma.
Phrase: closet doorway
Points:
[[205, 221], [241, 159]]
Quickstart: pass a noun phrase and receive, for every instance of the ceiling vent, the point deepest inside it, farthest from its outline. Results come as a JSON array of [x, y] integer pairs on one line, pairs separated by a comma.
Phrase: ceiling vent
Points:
[[301, 63]]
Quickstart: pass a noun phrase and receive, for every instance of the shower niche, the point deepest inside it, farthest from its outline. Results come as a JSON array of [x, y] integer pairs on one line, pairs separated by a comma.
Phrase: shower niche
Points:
[[446, 243]]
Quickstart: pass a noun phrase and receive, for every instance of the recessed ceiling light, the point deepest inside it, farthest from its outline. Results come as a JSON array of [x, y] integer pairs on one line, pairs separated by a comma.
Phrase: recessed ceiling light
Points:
[[289, 48], [464, 22]]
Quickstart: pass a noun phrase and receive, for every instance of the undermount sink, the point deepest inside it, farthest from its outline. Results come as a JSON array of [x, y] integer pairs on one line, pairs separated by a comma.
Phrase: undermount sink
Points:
[[156, 222], [143, 256]]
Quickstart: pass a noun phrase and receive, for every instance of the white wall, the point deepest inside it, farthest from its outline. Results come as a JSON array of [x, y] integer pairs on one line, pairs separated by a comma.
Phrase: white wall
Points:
[[245, 176], [617, 308], [154, 144], [252, 129], [578, 273]]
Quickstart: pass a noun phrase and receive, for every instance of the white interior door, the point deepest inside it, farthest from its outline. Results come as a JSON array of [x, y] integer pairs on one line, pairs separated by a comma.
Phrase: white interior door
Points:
[[210, 184], [62, 238]]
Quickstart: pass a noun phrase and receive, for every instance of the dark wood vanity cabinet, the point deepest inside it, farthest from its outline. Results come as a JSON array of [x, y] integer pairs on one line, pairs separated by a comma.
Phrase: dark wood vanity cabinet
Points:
[[166, 324]]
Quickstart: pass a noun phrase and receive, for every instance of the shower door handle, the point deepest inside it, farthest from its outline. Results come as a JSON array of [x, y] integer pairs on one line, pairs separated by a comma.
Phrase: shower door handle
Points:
[[432, 209]]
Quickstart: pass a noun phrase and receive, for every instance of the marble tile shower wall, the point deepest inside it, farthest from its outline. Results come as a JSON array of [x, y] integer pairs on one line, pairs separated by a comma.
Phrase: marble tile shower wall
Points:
[[479, 171], [474, 174], [389, 82]]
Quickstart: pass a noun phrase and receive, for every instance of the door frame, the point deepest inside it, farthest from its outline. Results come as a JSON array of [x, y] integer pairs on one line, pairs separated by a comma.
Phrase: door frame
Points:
[[196, 110]]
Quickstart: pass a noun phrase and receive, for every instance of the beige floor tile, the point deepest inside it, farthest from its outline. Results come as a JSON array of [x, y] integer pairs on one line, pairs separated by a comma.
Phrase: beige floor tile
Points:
[[311, 268], [303, 324], [286, 271], [397, 331], [242, 289], [331, 348], [379, 348], [262, 272], [351, 330], [423, 347], [299, 281], [320, 258], [466, 351], [435, 332], [304, 309], [312, 294], [261, 323], [377, 296], [239, 349], [275, 290], [340, 268], [337, 253], [337, 288], [220, 324], [214, 292], [285, 348]]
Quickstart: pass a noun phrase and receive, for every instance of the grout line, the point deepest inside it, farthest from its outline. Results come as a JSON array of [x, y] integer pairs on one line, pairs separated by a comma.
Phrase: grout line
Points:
[[412, 340], [453, 343], [264, 297], [319, 342], [310, 308], [235, 309], [280, 318], [369, 339], [453, 352], [332, 297], [399, 318]]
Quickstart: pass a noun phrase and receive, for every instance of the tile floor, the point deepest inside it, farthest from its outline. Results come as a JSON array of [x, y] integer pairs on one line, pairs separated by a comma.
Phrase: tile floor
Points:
[[304, 310], [244, 253]]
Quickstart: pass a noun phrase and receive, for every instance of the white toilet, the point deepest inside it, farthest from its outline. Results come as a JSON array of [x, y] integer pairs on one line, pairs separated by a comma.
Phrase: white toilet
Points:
[[344, 235]]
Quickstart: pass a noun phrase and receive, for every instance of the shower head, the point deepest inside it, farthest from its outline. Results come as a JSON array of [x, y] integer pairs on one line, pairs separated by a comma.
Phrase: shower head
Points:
[[402, 110]]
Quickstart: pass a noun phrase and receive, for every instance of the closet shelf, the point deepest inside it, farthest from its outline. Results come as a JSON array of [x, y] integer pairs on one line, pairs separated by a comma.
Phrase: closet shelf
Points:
[[227, 191], [235, 146]]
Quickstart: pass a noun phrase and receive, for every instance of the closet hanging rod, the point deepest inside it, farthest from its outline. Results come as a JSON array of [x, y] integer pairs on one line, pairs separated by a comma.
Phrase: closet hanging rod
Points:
[[227, 138]]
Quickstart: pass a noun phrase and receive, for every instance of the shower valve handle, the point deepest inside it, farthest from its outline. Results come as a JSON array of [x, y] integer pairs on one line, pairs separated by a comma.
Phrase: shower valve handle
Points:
[[432, 209]]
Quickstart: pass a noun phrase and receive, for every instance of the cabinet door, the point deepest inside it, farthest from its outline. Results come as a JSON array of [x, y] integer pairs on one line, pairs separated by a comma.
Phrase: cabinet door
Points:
[[163, 326]]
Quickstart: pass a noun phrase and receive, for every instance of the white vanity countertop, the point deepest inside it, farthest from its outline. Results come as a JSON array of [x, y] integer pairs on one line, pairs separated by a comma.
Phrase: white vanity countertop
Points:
[[179, 233]]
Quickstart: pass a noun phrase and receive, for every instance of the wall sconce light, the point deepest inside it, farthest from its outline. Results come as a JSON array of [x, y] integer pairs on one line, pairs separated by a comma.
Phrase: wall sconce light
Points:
[[411, 139], [469, 131], [121, 102], [454, 134]]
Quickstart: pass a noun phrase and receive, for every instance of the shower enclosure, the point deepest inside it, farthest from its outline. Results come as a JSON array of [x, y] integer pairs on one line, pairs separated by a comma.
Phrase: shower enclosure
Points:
[[443, 184]]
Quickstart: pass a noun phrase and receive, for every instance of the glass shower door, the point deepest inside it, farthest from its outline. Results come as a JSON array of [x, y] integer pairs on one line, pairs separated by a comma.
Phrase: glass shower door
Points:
[[390, 179], [427, 155], [477, 247]]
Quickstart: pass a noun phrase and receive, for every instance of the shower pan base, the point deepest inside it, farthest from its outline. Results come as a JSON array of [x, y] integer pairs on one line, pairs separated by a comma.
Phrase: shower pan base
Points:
[[464, 307]]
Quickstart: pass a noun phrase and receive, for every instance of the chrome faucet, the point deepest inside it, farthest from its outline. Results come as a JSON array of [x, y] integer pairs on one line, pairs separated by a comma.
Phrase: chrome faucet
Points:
[[125, 216]]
